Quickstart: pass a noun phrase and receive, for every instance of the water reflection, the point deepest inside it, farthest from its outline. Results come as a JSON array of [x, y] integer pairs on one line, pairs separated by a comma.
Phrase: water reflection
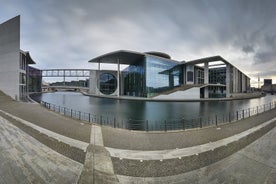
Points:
[[153, 111]]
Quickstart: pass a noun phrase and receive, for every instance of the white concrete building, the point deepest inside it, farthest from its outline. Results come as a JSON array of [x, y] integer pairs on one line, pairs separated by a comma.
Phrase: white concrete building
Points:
[[13, 61]]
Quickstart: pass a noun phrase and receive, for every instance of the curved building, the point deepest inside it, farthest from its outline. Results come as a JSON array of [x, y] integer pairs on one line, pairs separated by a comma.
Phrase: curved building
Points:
[[156, 75]]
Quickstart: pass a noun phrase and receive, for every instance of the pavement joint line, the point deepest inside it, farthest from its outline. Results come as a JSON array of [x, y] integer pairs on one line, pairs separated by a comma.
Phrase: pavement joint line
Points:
[[61, 138], [183, 152], [255, 160]]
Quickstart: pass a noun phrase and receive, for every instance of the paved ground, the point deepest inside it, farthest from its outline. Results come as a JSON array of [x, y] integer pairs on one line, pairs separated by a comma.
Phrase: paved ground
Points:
[[26, 160], [135, 140], [255, 164], [99, 167], [42, 117]]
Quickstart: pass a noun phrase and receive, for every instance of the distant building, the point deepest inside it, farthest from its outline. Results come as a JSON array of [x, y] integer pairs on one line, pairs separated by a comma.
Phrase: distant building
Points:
[[267, 82], [268, 87], [14, 62], [156, 75]]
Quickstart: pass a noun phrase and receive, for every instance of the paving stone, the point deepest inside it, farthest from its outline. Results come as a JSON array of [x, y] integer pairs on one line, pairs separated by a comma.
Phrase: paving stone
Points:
[[237, 168], [25, 160]]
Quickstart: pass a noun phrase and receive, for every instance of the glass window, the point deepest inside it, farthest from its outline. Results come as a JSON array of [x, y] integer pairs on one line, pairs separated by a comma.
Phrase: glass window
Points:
[[134, 79], [217, 76], [190, 76], [108, 83], [161, 75]]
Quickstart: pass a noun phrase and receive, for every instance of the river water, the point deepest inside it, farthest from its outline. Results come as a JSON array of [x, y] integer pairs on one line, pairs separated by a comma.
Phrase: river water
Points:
[[147, 110]]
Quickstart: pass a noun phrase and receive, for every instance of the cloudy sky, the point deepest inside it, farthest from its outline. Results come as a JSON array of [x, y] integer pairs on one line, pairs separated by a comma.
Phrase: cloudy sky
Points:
[[68, 33]]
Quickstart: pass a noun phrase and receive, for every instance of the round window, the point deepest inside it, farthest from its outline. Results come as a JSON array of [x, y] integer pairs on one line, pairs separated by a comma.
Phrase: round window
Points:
[[108, 83]]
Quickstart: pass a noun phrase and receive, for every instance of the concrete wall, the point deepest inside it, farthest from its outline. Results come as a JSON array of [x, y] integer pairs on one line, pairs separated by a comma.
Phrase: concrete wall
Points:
[[94, 84], [193, 93], [9, 57]]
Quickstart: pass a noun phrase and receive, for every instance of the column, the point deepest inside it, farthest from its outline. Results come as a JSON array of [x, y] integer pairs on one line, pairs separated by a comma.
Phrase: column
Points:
[[99, 65], [118, 77], [206, 79], [228, 86]]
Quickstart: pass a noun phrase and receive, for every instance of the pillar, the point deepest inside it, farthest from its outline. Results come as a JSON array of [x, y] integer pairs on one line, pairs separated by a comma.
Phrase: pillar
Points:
[[99, 65], [206, 79], [228, 85], [118, 77]]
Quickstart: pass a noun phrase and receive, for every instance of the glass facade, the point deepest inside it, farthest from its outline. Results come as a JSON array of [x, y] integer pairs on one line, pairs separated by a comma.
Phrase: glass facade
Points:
[[134, 79], [150, 76], [217, 91], [34, 79], [199, 76], [108, 83], [161, 75], [217, 75]]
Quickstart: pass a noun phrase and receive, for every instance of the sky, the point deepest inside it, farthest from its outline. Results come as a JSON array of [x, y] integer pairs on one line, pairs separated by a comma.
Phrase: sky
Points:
[[68, 33]]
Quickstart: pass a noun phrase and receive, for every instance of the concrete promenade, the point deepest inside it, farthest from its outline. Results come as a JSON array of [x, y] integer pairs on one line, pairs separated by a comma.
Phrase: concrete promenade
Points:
[[90, 149]]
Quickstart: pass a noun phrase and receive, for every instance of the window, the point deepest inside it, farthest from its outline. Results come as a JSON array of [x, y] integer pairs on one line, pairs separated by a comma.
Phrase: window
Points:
[[107, 83], [190, 76]]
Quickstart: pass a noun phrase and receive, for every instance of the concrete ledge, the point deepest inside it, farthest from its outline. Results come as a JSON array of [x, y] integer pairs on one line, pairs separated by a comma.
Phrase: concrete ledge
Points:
[[183, 152], [192, 161], [67, 140]]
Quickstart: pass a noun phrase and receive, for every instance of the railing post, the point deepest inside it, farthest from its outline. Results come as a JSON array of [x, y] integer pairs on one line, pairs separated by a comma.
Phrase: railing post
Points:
[[216, 120], [71, 113], [114, 123], [243, 114], [237, 115], [89, 116], [147, 125], [79, 115], [229, 117], [129, 124], [248, 112], [101, 119], [200, 122]]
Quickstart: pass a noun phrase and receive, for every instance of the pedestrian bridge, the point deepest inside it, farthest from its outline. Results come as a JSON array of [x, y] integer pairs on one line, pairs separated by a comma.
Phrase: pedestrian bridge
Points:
[[66, 73], [64, 88]]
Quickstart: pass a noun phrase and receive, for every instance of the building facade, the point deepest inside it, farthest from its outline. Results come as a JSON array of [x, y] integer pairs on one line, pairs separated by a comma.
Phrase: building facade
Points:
[[156, 75], [14, 62]]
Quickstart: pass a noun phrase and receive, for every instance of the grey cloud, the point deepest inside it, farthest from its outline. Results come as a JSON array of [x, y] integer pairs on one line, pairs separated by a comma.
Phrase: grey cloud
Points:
[[68, 33], [248, 49], [265, 57]]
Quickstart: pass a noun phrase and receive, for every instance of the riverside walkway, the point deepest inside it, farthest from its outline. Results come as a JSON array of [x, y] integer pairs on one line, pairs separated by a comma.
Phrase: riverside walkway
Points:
[[93, 149]]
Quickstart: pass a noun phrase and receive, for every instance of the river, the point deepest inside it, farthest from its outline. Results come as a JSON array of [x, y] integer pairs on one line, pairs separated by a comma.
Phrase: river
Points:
[[148, 110]]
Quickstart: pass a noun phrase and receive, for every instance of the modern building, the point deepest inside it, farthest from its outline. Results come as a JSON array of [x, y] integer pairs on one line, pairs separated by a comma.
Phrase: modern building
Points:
[[156, 75], [14, 62]]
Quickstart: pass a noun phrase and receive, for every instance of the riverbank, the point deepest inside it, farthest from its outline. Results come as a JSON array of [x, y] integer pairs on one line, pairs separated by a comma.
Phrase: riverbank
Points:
[[126, 169], [238, 96]]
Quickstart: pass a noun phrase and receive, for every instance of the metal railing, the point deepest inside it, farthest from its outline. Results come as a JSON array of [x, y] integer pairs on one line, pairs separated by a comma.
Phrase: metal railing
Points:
[[161, 125]]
